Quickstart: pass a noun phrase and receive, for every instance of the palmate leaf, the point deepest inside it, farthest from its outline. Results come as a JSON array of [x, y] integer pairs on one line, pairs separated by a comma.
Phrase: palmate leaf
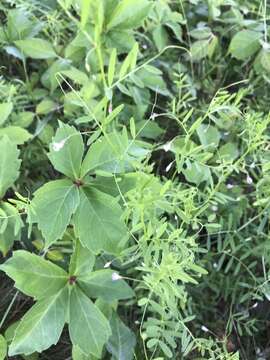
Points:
[[122, 341], [52, 207], [33, 275], [99, 284], [9, 164], [88, 327], [66, 151], [98, 223], [41, 326]]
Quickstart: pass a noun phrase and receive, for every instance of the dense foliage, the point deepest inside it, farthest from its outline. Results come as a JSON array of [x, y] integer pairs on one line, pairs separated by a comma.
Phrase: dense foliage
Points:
[[134, 179]]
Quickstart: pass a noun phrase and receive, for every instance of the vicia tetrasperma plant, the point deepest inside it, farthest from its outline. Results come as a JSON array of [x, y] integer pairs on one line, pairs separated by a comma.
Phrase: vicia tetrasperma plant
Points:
[[134, 179]]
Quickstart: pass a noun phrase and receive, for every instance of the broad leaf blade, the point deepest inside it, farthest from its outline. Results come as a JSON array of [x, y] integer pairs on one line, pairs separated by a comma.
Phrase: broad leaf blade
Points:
[[129, 14], [108, 153], [33, 275], [100, 283], [41, 326], [36, 48], [82, 261], [98, 222], [16, 134], [66, 151], [244, 44], [9, 164], [122, 341], [88, 327], [3, 348], [5, 111], [53, 205], [12, 230]]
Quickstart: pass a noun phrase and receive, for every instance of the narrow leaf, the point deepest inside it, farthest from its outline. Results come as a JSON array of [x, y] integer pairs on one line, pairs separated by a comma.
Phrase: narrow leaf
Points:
[[111, 69]]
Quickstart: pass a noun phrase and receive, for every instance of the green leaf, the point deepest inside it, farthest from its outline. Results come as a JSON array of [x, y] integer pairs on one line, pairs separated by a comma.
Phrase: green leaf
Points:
[[108, 153], [66, 151], [244, 44], [201, 33], [46, 106], [100, 283], [12, 230], [111, 68], [98, 222], [88, 327], [82, 261], [5, 111], [9, 164], [77, 76], [16, 134], [130, 61], [41, 326], [36, 48], [3, 348], [122, 341], [160, 37], [78, 354], [265, 60], [129, 14], [165, 348], [23, 119], [209, 136], [52, 206], [197, 173], [228, 152], [199, 50], [33, 275], [85, 11]]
